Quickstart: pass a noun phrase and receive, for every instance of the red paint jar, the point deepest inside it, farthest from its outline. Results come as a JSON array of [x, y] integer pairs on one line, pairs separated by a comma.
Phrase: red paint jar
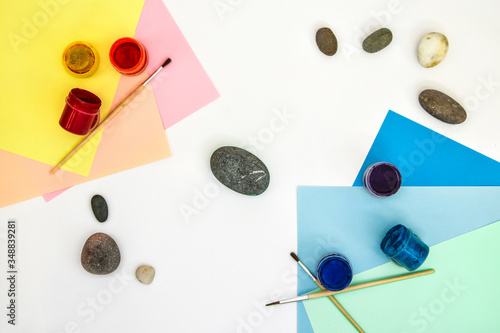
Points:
[[81, 112], [128, 56]]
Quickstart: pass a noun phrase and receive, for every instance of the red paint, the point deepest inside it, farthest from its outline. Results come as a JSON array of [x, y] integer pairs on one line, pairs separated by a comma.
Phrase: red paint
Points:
[[81, 112], [128, 56]]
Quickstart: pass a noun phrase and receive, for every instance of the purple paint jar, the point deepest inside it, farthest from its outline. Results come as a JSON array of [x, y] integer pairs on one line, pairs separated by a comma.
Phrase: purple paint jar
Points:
[[382, 179]]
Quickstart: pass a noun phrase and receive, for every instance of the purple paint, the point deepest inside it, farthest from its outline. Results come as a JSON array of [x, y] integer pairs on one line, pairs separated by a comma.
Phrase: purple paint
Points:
[[382, 179]]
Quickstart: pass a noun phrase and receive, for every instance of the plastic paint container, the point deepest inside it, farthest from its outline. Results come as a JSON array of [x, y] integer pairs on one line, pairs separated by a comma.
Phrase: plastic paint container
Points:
[[404, 248], [334, 271], [80, 59], [81, 112], [128, 56], [382, 179]]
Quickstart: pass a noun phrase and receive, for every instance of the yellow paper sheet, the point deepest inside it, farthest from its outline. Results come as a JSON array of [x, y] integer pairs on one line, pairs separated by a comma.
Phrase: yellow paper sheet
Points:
[[34, 83]]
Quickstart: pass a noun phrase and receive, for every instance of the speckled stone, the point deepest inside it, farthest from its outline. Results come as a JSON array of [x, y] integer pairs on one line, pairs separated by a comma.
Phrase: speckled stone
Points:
[[377, 40], [99, 208], [442, 106], [240, 170], [100, 254], [326, 41], [145, 274], [432, 49]]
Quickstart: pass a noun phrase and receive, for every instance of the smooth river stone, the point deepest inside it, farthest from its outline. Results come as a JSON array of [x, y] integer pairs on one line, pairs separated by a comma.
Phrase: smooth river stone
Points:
[[240, 170], [442, 106], [100, 254], [377, 40], [432, 49], [326, 41], [99, 208], [145, 274]]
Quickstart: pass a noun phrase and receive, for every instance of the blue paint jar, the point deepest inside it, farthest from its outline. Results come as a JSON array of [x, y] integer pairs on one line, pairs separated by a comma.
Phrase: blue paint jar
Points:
[[382, 179], [404, 248], [334, 271]]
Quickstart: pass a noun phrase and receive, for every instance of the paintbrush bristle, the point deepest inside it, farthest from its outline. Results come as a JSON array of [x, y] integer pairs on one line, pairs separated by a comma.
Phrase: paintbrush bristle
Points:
[[166, 62], [273, 303], [294, 256]]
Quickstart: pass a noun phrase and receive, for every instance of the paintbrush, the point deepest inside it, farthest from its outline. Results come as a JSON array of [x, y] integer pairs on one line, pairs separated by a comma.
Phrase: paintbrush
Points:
[[353, 287], [337, 304], [110, 116]]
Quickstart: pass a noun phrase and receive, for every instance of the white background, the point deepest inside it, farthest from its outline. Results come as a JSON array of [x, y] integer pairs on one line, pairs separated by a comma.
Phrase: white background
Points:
[[228, 254]]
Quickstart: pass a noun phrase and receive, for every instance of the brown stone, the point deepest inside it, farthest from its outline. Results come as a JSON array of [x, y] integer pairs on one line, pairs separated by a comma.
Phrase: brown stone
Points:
[[326, 41], [100, 254], [442, 106]]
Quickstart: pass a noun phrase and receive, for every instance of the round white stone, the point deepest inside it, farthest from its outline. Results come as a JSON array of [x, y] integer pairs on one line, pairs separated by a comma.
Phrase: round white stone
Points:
[[145, 274], [432, 49]]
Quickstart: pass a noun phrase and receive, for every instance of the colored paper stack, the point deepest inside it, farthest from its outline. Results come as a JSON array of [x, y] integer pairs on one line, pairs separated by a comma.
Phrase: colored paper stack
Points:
[[449, 199], [32, 140]]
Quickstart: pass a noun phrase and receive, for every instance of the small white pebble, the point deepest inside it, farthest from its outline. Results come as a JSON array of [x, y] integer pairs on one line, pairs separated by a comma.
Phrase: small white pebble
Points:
[[145, 274], [432, 49]]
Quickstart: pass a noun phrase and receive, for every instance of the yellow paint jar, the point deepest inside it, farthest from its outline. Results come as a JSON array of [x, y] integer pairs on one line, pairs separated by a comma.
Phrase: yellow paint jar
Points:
[[80, 59]]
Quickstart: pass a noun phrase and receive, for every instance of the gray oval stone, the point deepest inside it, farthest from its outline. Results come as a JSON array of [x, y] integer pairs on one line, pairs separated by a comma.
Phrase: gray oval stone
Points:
[[326, 41], [240, 170], [100, 254], [442, 106], [377, 40], [99, 208]]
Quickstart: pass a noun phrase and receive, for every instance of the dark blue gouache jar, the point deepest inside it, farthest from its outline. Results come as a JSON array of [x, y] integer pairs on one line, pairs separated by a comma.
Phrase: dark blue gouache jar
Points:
[[382, 179], [334, 271], [405, 248]]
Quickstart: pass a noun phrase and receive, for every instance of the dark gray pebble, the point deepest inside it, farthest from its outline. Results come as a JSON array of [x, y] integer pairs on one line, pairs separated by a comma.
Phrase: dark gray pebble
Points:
[[100, 254], [240, 170], [442, 106], [326, 41], [377, 40], [99, 208]]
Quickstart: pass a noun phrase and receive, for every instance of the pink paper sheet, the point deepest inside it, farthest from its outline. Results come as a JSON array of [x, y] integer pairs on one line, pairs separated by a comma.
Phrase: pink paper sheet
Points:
[[186, 87]]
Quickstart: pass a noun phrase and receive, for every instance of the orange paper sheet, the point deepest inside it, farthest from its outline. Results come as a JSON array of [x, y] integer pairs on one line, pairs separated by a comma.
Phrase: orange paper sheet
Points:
[[120, 148]]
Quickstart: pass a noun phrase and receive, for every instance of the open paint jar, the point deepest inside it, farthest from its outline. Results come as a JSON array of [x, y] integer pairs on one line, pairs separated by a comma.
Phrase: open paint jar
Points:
[[81, 113], [334, 271], [128, 56], [404, 248], [80, 59], [382, 179]]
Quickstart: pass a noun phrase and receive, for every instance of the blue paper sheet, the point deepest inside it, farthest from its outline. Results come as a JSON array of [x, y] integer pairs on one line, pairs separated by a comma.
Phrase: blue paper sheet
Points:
[[351, 221], [427, 158]]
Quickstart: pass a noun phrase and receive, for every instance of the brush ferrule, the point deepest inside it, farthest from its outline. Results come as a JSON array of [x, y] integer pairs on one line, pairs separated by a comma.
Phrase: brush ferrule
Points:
[[307, 271], [295, 299], [152, 76]]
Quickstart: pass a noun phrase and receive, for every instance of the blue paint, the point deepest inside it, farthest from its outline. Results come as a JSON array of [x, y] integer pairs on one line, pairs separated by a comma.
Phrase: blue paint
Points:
[[382, 179], [334, 271], [402, 246]]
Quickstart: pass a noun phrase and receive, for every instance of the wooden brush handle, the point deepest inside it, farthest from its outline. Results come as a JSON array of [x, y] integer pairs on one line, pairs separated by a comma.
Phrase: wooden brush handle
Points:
[[341, 308], [371, 284]]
